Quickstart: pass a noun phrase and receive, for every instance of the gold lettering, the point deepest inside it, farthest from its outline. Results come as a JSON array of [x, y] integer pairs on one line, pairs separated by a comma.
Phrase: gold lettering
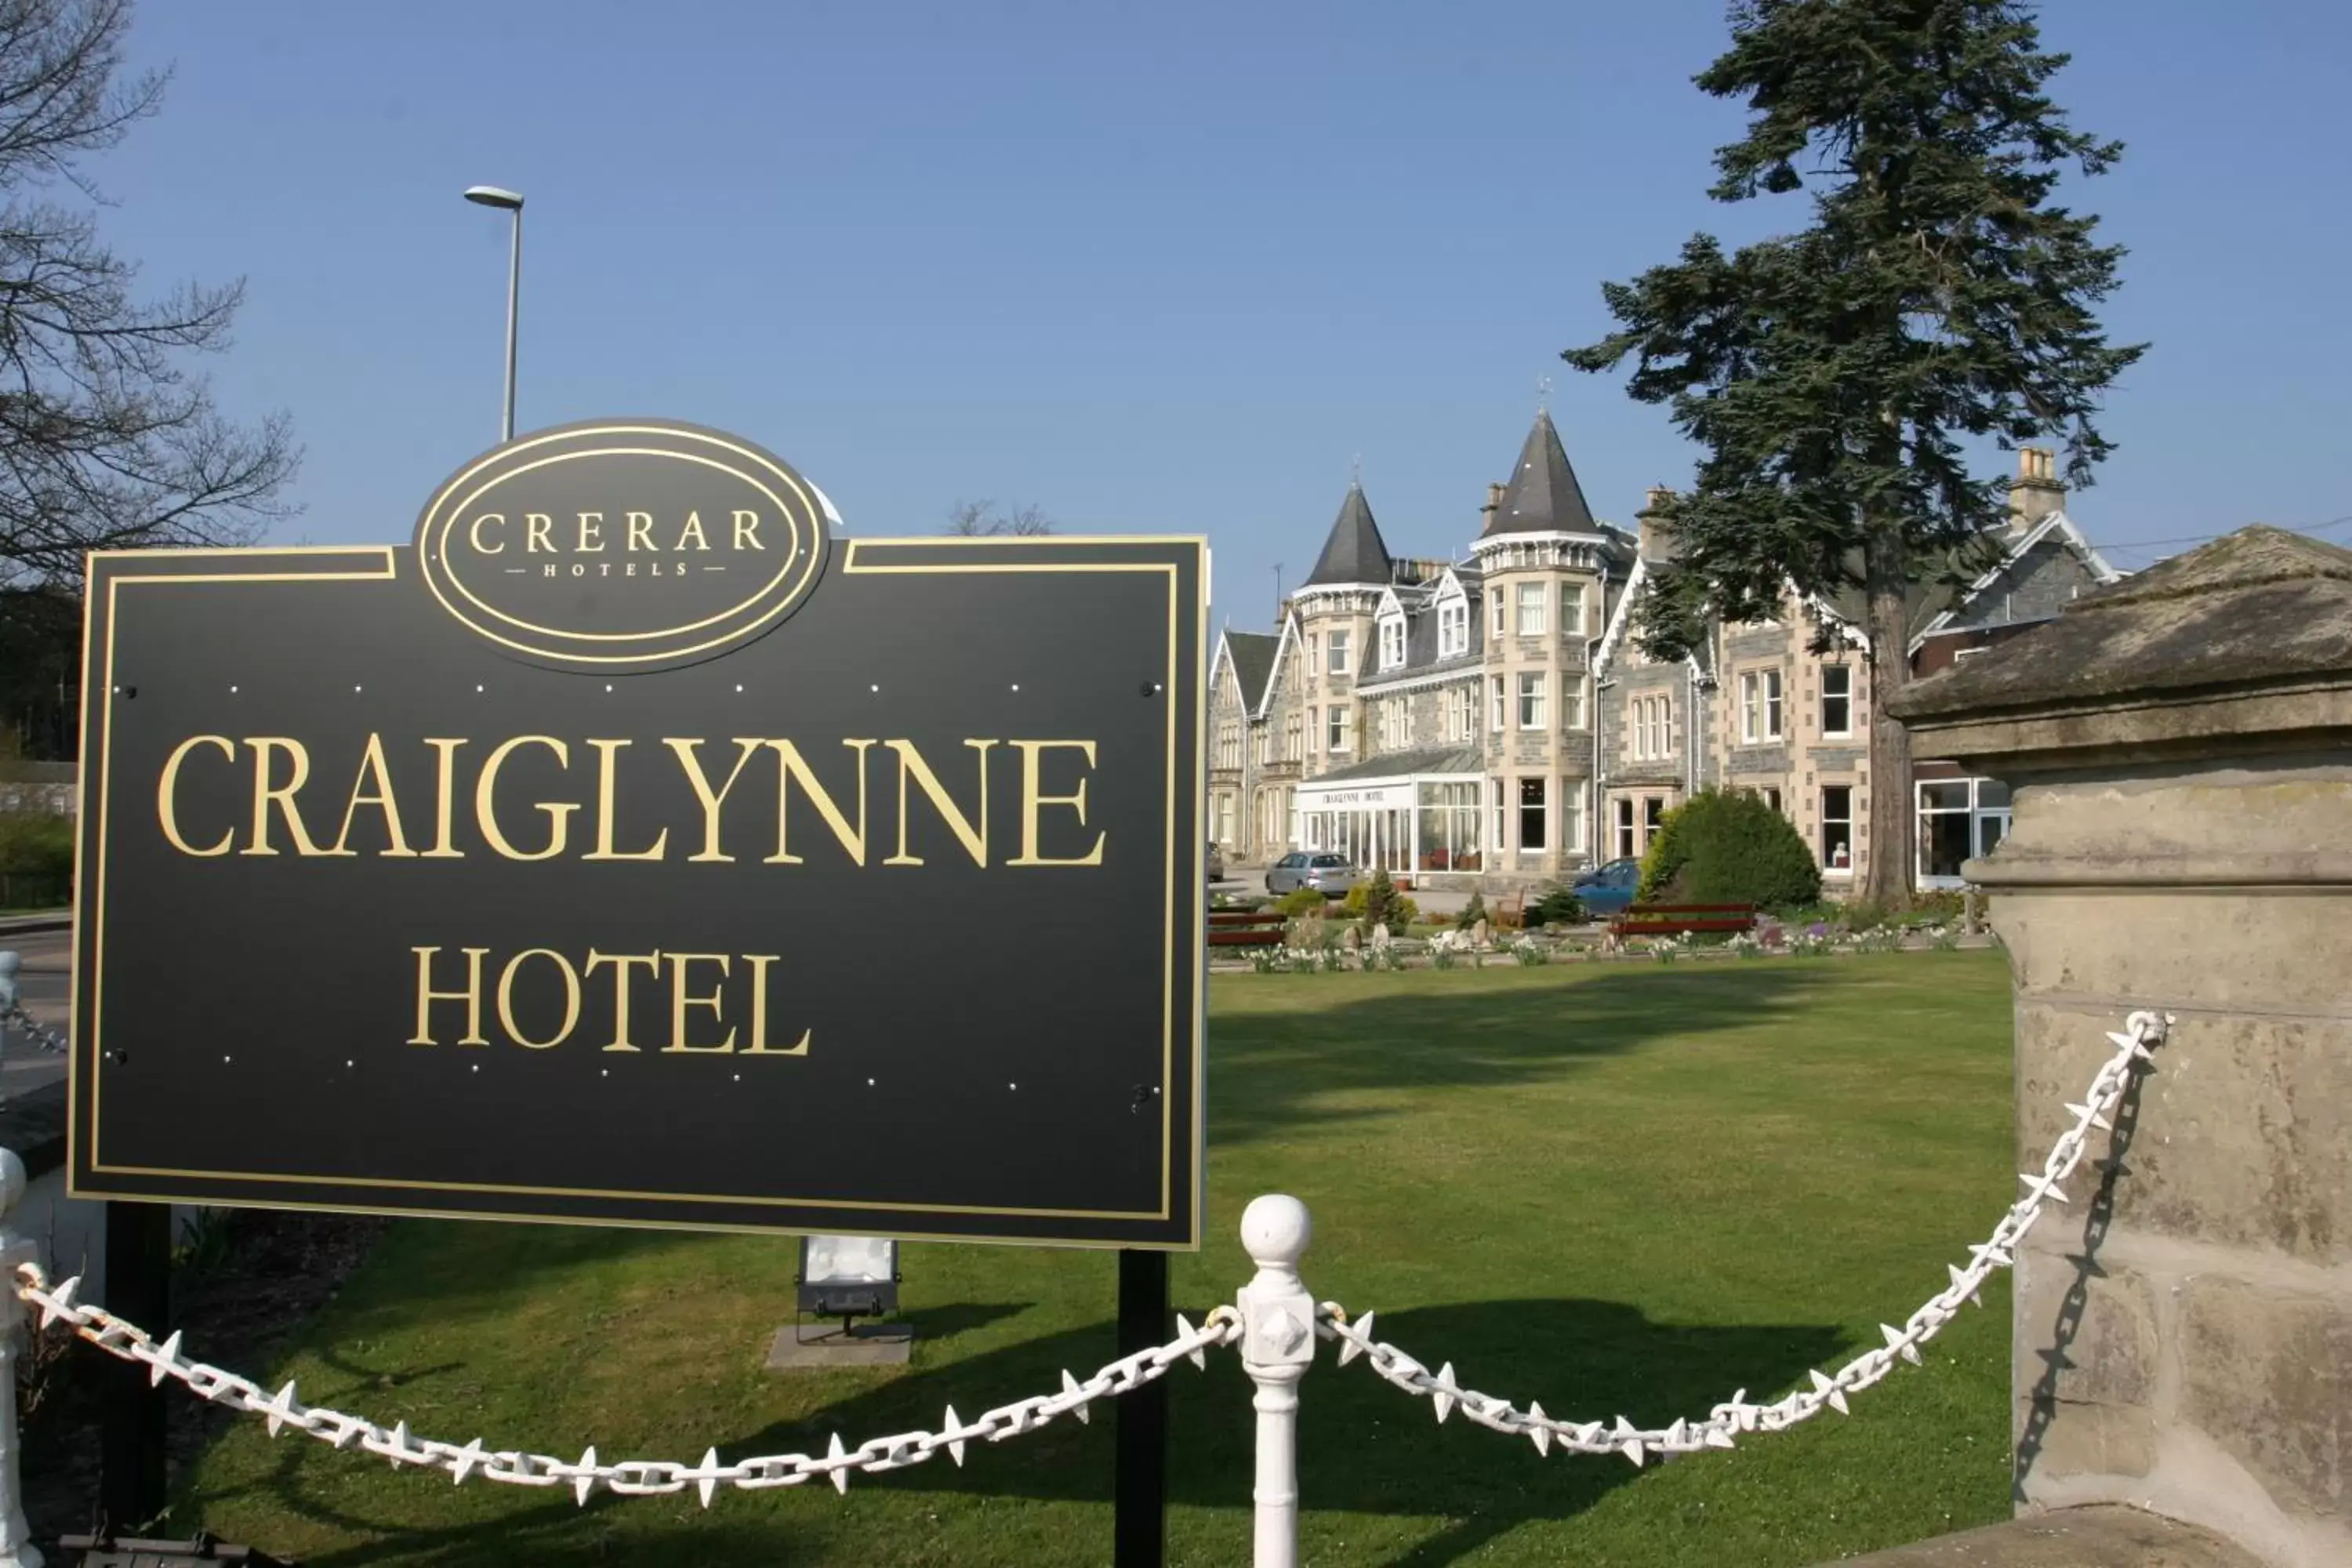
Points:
[[471, 996], [537, 526], [558, 813], [1032, 803], [372, 767], [167, 812], [689, 753], [475, 533], [592, 532], [791, 765], [621, 962], [911, 763], [747, 531], [607, 751], [281, 795], [693, 530], [445, 802], [641, 530], [679, 1002], [571, 999], [759, 1046]]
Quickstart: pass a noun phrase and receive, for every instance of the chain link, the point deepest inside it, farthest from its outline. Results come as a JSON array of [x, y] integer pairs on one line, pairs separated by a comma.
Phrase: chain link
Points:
[[629, 1478], [14, 1016], [1736, 1416]]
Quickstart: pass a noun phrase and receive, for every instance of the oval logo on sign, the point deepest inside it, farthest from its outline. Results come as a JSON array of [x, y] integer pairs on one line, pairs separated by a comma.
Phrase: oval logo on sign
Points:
[[623, 543]]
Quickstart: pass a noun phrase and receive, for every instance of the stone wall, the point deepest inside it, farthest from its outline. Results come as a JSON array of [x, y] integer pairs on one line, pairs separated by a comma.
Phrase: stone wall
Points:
[[2180, 745]]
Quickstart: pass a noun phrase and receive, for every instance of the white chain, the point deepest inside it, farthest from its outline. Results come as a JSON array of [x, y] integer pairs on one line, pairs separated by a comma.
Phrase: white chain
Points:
[[1727, 1422], [630, 1477], [13, 1017]]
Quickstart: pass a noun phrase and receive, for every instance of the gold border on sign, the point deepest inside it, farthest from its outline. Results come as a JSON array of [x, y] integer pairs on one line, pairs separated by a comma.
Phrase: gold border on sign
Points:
[[786, 601], [91, 908]]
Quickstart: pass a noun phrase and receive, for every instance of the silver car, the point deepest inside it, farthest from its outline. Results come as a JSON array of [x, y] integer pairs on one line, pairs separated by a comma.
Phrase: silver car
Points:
[[1329, 875]]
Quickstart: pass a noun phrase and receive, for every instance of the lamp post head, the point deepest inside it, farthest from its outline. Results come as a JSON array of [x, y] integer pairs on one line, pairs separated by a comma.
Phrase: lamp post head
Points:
[[493, 196]]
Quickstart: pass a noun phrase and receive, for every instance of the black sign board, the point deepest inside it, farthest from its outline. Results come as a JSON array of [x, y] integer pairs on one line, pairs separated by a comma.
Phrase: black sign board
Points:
[[628, 850]]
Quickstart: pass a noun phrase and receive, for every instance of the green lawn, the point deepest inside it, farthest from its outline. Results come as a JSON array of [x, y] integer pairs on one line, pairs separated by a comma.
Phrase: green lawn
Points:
[[1613, 1188]]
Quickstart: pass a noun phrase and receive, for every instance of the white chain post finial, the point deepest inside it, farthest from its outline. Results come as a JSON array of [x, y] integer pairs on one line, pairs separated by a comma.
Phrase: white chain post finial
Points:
[[1278, 1345], [16, 1549]]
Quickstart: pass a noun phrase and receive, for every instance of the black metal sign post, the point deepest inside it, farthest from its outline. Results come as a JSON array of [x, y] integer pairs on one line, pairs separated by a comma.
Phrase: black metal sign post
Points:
[[1140, 1523], [551, 867], [131, 1411]]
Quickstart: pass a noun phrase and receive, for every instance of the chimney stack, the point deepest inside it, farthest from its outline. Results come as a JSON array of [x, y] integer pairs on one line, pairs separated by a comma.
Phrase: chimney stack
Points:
[[2036, 492], [1657, 537], [1487, 512]]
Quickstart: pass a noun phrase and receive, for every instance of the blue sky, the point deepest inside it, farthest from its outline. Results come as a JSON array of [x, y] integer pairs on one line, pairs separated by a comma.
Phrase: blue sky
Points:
[[1155, 268]]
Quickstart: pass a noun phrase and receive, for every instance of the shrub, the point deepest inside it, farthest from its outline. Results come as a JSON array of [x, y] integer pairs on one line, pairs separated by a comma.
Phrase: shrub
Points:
[[1728, 847], [1472, 913], [1555, 906], [37, 855], [1376, 901], [1303, 904]]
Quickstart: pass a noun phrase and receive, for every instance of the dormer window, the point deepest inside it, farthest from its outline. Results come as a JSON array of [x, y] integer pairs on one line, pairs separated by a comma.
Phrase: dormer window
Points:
[[1391, 641], [1452, 629]]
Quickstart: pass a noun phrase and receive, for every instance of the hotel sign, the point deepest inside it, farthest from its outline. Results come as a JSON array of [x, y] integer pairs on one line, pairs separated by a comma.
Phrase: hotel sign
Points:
[[628, 850]]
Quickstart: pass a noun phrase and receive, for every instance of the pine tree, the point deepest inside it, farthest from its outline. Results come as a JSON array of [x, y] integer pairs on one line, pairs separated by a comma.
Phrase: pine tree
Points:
[[1834, 376]]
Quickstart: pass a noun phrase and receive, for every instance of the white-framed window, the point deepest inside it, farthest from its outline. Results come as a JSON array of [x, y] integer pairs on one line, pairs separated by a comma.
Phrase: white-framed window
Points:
[[1494, 626], [1496, 712], [1391, 642], [1837, 699], [1837, 829], [1452, 629], [1262, 744], [1571, 818], [1625, 829], [1571, 702], [1531, 608], [1229, 746], [1337, 725], [1291, 732], [1534, 794], [1502, 813], [1314, 653], [1958, 820], [1760, 706], [1654, 819], [1394, 717], [1571, 609], [1461, 712], [1339, 647], [1654, 728], [1531, 698], [1773, 799]]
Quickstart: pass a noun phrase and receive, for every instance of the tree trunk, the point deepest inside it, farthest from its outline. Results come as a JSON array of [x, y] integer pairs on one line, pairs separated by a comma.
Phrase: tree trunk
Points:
[[1886, 882]]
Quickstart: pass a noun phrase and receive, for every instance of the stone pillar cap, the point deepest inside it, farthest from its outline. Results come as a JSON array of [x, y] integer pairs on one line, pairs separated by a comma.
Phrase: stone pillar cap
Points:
[[2248, 635]]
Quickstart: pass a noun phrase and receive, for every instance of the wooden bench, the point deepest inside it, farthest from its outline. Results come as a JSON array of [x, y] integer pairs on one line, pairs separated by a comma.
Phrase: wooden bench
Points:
[[1246, 928], [1673, 920]]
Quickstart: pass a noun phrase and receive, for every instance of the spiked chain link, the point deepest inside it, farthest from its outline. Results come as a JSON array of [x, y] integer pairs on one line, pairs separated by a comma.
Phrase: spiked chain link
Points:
[[14, 1017], [629, 1478], [1727, 1422], [1721, 1428]]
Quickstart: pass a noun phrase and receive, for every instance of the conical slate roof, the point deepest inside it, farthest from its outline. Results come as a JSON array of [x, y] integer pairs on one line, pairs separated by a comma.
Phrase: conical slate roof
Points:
[[1543, 496], [1353, 553]]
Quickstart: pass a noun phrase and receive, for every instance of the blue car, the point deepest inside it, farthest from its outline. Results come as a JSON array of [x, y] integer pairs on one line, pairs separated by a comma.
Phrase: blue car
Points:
[[1607, 890]]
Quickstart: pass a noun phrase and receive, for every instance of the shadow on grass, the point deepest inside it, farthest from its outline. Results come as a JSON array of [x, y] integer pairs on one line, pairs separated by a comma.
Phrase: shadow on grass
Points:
[[1364, 1447], [1275, 1070]]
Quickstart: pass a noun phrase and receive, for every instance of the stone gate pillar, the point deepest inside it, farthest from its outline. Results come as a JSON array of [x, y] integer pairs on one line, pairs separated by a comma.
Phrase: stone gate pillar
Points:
[[2180, 746]]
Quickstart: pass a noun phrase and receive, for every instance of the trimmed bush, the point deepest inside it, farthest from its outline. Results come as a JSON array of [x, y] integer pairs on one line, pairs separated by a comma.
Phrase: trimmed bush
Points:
[[1472, 913], [1725, 848], [1555, 906], [36, 856], [1303, 901], [1376, 901]]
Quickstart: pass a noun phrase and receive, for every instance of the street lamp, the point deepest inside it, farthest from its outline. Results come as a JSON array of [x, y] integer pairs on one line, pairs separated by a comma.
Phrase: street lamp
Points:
[[511, 201]]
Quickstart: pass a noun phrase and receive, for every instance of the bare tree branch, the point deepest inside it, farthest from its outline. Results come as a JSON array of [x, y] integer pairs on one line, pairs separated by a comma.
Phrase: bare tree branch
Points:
[[981, 519], [108, 439]]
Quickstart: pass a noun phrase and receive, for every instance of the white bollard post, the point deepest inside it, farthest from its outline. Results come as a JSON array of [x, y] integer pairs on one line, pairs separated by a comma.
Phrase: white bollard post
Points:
[[1278, 1314], [16, 1549]]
